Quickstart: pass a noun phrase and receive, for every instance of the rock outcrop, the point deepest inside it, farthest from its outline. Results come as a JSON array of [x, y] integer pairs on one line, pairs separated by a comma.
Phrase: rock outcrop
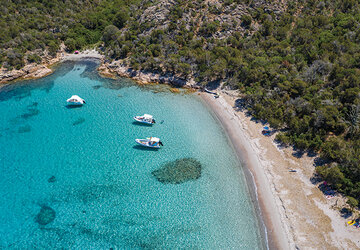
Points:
[[144, 76], [29, 71]]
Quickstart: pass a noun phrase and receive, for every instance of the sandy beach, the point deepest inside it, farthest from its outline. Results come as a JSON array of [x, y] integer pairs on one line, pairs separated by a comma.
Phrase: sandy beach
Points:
[[86, 54], [296, 213]]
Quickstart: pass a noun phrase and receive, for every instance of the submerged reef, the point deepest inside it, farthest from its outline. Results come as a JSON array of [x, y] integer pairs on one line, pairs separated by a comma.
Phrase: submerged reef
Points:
[[52, 179], [178, 171], [24, 129], [96, 87], [45, 216], [30, 113]]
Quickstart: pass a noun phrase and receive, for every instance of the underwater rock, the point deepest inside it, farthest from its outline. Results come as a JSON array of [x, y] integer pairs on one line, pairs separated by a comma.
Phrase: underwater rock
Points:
[[24, 129], [96, 87], [52, 179], [31, 112], [179, 171], [79, 121], [45, 216], [34, 104]]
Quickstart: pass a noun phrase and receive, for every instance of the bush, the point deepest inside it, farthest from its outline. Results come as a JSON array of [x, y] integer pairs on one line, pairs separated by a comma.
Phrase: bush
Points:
[[70, 44], [109, 33], [33, 58], [246, 21], [121, 18], [352, 202]]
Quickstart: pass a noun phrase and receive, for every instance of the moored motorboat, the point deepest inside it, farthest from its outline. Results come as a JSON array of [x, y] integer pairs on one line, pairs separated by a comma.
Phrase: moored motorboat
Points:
[[147, 119], [75, 100], [152, 142]]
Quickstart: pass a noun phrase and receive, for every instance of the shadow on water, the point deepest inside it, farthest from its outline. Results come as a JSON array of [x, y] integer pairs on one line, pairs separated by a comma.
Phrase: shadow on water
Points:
[[144, 148], [73, 106], [78, 121], [141, 124]]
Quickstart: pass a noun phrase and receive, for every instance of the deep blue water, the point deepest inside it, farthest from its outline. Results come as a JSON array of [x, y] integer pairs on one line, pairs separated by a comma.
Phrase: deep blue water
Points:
[[84, 165]]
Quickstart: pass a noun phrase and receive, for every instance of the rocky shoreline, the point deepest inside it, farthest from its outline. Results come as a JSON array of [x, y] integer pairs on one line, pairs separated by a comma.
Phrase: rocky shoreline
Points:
[[34, 71], [117, 68], [106, 69], [30, 71]]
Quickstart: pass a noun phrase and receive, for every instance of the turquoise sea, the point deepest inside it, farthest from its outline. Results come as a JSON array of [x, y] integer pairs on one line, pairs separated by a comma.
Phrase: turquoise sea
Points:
[[75, 179]]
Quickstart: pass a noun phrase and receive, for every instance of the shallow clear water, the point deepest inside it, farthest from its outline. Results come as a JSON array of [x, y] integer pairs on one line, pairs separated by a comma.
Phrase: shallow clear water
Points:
[[103, 192]]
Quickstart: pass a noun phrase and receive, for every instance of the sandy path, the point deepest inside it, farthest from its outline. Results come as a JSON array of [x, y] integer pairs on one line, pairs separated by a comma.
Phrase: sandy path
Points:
[[296, 213]]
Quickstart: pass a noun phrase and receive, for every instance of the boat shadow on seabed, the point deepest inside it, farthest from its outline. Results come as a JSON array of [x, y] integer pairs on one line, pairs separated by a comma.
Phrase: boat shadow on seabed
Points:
[[73, 106], [144, 148], [141, 124]]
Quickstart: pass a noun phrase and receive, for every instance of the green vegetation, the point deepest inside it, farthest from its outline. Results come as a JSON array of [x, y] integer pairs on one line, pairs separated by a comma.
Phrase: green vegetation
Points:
[[39, 25], [297, 68]]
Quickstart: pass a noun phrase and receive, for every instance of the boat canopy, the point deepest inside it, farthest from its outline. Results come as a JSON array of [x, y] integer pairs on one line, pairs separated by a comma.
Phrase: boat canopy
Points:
[[75, 97], [148, 116], [154, 139]]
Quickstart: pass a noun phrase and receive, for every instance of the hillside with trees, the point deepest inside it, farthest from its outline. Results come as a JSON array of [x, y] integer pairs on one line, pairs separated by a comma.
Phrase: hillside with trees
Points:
[[34, 29], [296, 63]]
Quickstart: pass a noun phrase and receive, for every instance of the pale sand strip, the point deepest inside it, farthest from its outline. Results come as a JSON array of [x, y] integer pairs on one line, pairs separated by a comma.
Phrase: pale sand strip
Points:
[[231, 124], [296, 213], [86, 54]]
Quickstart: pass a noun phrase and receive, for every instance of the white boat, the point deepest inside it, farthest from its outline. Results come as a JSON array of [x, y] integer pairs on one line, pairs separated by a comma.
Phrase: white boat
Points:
[[148, 119], [152, 142], [75, 100]]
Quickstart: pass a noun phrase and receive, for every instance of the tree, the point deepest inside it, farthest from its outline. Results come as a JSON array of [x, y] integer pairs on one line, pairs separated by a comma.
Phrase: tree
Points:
[[70, 44], [246, 21], [109, 33], [121, 18], [352, 120], [352, 202]]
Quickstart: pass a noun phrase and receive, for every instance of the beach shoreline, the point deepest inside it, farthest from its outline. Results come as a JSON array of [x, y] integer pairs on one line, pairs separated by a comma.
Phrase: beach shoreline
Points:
[[295, 212], [275, 235]]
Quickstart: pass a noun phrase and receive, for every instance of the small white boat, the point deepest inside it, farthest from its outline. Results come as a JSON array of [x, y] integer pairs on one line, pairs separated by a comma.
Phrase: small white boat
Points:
[[152, 142], [148, 119], [75, 100]]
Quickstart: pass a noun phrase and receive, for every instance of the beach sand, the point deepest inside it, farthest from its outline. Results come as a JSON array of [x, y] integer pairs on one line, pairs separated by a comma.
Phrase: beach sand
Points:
[[296, 213], [86, 54]]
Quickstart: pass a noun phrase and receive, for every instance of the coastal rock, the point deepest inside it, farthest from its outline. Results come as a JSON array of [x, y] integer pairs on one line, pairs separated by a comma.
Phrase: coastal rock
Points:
[[45, 216], [146, 76], [179, 171], [29, 71]]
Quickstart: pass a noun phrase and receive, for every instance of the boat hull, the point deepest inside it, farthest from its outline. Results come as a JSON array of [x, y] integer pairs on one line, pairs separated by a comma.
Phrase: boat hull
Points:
[[142, 121], [145, 143], [75, 103]]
